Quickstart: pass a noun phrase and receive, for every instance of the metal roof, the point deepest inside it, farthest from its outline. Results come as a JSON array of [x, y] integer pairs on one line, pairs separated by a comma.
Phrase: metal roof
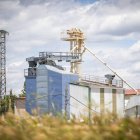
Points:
[[131, 92]]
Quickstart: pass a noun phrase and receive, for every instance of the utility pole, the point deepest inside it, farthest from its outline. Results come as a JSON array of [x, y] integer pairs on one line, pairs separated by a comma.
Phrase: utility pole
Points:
[[2, 63]]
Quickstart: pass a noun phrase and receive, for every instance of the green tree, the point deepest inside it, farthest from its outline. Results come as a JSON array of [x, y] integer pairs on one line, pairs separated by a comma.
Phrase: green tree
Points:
[[4, 105], [7, 103], [12, 101], [23, 91]]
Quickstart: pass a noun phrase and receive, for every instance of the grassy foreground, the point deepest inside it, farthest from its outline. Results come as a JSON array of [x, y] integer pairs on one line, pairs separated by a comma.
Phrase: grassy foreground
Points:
[[51, 128]]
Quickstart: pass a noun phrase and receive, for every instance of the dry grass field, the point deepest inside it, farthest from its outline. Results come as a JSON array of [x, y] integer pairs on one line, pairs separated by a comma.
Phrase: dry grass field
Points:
[[57, 128]]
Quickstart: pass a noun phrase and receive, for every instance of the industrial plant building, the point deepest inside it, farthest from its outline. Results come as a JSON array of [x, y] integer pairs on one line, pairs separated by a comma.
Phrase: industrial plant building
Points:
[[55, 91], [100, 99], [47, 89], [133, 107], [52, 90]]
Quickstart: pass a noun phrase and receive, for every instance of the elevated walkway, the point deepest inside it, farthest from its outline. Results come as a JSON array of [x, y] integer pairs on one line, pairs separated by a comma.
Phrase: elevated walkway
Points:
[[101, 81]]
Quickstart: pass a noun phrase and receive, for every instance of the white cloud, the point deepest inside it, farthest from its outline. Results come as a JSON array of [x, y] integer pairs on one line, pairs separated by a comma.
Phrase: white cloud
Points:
[[124, 61], [36, 25], [135, 48]]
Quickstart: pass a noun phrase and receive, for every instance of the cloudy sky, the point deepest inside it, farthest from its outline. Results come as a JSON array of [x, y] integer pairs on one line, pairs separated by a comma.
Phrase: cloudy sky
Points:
[[112, 30]]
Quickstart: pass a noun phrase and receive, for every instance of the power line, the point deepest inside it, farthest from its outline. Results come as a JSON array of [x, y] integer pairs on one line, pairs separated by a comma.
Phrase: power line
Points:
[[106, 65], [67, 102], [83, 104], [38, 98]]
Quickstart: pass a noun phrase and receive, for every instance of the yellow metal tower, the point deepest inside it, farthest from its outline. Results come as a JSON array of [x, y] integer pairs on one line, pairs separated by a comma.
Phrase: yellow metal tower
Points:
[[76, 38]]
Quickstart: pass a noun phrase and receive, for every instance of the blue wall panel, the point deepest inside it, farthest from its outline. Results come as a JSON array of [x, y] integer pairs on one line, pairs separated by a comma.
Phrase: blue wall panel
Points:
[[58, 87], [30, 93], [55, 91]]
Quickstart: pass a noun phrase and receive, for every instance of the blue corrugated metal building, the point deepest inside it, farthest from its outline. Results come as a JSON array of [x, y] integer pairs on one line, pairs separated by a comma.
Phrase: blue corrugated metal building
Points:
[[48, 91]]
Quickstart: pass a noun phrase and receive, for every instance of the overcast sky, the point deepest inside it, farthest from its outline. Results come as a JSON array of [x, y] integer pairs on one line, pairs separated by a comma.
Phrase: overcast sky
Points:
[[111, 27]]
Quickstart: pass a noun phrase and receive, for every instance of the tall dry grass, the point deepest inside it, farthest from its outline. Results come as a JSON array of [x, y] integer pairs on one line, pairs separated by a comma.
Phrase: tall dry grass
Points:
[[57, 128]]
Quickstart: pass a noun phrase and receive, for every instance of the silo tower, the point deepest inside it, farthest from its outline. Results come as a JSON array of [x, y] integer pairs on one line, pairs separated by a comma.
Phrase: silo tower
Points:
[[76, 38], [2, 62]]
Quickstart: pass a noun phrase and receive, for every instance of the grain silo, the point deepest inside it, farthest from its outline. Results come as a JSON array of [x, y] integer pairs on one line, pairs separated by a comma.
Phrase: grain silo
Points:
[[50, 89], [52, 84], [47, 83]]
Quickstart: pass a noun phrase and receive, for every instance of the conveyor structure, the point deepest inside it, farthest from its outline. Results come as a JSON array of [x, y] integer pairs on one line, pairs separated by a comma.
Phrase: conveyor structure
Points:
[[50, 58]]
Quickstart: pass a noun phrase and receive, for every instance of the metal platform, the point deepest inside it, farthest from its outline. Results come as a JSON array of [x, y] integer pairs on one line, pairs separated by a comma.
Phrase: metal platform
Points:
[[50, 58], [101, 80], [61, 56]]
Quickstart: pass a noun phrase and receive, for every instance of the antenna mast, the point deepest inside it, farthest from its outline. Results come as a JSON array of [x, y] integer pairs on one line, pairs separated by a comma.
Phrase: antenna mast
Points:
[[2, 63]]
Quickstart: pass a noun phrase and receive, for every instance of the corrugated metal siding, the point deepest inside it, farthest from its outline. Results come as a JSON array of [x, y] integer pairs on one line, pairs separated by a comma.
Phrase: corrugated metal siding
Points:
[[55, 92], [108, 99], [30, 93], [95, 99], [52, 84], [133, 106], [134, 101], [42, 90], [102, 99], [120, 102], [66, 79], [133, 112], [81, 94]]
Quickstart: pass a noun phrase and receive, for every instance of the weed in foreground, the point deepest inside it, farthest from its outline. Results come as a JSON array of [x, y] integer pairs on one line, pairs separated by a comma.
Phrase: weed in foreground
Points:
[[105, 127]]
